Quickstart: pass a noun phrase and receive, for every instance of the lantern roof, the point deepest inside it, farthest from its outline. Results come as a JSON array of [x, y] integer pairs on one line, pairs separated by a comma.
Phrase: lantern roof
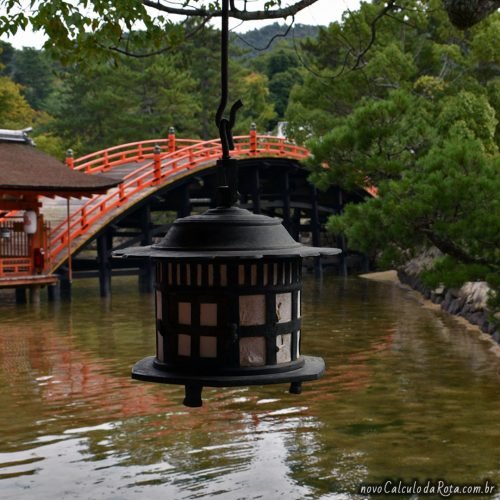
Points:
[[226, 232]]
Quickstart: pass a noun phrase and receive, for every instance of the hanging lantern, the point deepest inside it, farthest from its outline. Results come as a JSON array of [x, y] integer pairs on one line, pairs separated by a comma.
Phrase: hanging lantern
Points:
[[228, 290], [228, 304], [30, 222]]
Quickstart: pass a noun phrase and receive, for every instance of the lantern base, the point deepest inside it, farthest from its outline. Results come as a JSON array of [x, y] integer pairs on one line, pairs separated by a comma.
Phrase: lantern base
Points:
[[146, 370]]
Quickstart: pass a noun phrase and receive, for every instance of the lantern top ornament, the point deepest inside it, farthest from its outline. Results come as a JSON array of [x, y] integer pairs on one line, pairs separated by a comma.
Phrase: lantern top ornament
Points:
[[227, 232]]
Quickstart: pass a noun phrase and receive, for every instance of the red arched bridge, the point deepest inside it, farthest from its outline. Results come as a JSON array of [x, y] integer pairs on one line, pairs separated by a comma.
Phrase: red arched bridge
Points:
[[162, 179]]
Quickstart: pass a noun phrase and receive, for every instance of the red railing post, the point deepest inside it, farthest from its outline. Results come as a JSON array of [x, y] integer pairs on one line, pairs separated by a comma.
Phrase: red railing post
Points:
[[157, 163], [171, 140], [70, 162], [253, 138], [106, 160], [83, 219]]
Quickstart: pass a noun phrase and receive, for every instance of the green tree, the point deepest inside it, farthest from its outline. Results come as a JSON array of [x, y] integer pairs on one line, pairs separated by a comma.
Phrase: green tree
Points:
[[15, 112], [418, 118], [112, 104], [6, 56], [33, 70], [283, 70], [257, 109]]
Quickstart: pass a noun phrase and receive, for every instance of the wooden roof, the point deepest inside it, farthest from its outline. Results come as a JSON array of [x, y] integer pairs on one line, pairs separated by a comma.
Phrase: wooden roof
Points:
[[25, 168]]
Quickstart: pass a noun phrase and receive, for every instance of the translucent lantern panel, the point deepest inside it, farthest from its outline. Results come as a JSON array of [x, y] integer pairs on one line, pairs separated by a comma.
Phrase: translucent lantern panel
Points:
[[223, 275], [284, 307], [184, 345], [208, 314], [208, 347], [252, 351], [253, 274], [284, 348], [210, 275], [252, 310], [184, 309], [159, 308], [170, 282], [298, 345], [299, 306], [241, 274], [198, 274], [159, 351]]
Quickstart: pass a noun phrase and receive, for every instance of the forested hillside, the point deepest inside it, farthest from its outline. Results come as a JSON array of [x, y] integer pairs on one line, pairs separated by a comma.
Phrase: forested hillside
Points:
[[93, 106]]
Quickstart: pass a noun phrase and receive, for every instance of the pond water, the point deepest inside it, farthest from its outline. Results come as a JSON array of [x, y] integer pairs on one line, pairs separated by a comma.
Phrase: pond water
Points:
[[409, 393]]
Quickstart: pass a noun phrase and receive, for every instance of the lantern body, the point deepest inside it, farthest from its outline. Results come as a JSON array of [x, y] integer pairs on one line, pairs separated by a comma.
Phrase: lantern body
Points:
[[228, 286], [228, 316]]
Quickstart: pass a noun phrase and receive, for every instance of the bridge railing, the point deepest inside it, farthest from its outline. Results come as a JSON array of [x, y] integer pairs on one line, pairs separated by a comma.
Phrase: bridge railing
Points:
[[106, 159], [162, 167], [8, 214]]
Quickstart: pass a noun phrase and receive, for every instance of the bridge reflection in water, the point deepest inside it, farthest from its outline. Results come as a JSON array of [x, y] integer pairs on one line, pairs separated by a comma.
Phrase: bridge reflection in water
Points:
[[163, 179]]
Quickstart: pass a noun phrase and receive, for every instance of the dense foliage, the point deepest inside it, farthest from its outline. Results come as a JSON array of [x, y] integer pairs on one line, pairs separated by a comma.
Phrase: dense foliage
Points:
[[416, 116], [121, 99]]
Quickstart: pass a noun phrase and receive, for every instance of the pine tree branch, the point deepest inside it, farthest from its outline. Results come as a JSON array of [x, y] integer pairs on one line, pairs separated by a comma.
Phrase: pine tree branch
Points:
[[451, 248], [373, 27], [127, 52], [242, 15]]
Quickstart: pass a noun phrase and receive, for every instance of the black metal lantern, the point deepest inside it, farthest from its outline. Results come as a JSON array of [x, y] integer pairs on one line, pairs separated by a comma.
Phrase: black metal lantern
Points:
[[228, 285], [228, 305]]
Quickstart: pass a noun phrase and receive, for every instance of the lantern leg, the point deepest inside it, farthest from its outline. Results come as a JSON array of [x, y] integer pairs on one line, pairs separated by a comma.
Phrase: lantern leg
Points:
[[193, 395], [295, 388]]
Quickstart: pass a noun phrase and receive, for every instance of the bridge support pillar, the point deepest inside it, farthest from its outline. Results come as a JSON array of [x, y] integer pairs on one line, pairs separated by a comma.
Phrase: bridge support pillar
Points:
[[316, 230], [341, 241], [35, 294], [256, 191], [21, 295], [65, 287], [54, 292], [103, 251], [295, 226], [285, 196], [184, 208], [146, 268]]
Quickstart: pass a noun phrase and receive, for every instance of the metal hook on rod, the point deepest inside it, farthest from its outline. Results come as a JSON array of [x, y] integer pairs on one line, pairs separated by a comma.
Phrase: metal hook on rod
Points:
[[223, 124]]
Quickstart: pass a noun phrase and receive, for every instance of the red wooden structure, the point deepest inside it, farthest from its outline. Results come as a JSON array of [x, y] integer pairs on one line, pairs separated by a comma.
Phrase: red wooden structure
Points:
[[26, 174]]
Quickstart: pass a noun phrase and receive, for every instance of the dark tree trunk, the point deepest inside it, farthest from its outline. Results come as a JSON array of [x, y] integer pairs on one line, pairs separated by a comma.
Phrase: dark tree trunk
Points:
[[465, 13]]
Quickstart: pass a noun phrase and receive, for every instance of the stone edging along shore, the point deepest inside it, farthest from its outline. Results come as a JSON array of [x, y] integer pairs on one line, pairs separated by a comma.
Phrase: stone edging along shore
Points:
[[468, 302]]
